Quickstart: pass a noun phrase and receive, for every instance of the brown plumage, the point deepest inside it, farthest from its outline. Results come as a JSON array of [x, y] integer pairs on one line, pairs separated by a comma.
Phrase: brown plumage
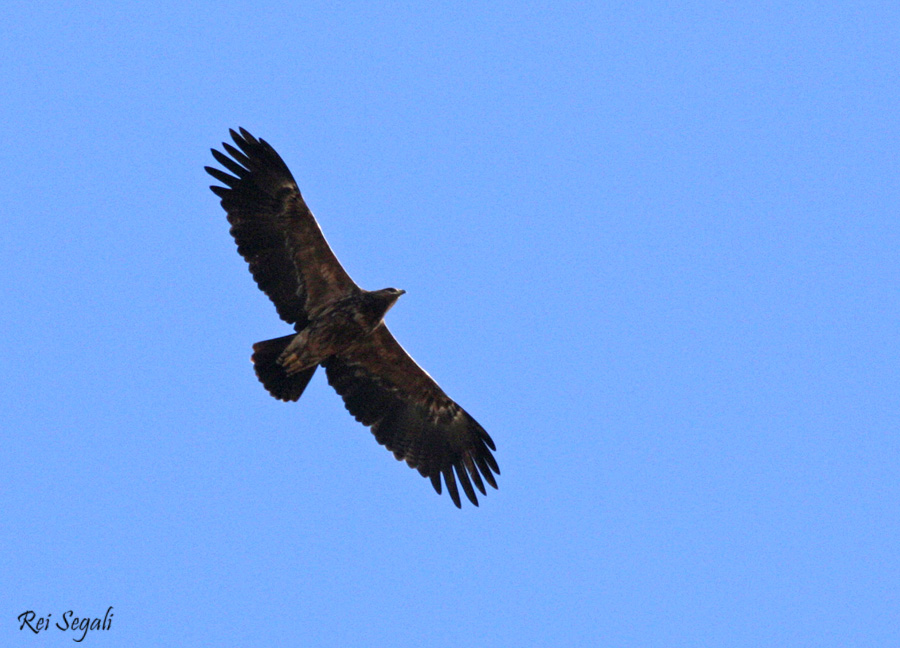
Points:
[[340, 327]]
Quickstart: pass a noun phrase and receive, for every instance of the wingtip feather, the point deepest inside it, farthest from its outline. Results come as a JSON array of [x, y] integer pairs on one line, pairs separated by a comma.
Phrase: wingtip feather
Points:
[[450, 480], [463, 478]]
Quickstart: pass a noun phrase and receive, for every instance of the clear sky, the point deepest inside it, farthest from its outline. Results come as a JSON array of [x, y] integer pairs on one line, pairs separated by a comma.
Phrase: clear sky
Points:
[[651, 247]]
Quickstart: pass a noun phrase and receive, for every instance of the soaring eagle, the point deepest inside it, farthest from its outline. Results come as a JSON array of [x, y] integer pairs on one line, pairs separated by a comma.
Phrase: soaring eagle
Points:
[[340, 327]]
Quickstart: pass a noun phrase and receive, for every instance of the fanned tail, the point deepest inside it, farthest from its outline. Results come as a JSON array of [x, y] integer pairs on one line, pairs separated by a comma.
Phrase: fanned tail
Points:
[[273, 376]]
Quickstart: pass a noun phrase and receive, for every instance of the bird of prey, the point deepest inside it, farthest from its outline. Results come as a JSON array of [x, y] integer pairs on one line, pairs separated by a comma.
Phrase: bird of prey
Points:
[[341, 327]]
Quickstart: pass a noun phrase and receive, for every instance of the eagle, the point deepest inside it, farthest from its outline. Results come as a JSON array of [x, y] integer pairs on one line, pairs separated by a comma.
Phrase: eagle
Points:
[[340, 327]]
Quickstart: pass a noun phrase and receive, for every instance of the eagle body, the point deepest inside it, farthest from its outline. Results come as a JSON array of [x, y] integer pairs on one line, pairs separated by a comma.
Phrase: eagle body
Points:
[[336, 328], [340, 327]]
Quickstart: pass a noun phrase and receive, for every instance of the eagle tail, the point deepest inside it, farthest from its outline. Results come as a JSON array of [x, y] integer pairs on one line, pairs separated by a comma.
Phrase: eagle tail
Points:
[[273, 376]]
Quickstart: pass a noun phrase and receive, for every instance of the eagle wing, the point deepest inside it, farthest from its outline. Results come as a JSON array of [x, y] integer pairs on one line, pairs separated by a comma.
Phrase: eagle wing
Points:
[[384, 388], [276, 232]]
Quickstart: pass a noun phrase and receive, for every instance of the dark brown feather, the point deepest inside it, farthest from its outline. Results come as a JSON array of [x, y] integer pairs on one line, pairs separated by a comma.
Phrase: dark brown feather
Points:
[[384, 388], [273, 375], [276, 232]]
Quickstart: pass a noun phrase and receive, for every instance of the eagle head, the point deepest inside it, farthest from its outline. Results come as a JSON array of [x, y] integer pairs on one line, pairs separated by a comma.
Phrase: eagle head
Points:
[[386, 297]]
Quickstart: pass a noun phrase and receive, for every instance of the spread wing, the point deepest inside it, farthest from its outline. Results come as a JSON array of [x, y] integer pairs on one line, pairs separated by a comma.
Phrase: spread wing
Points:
[[275, 231], [384, 388]]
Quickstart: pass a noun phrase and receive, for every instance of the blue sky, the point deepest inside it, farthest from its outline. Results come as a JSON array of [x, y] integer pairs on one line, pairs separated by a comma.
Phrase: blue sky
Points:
[[651, 247]]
